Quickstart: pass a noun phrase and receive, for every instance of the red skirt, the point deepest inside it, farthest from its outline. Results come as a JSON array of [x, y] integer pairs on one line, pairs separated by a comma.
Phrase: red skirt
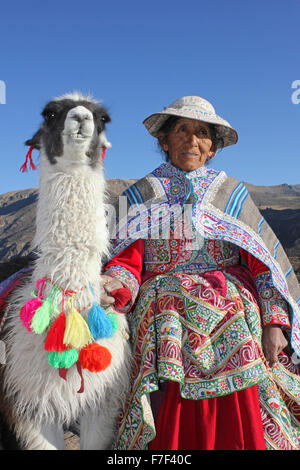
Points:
[[232, 422]]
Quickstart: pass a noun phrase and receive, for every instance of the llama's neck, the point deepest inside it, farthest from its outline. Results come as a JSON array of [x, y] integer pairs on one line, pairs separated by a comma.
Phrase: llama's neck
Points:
[[71, 234]]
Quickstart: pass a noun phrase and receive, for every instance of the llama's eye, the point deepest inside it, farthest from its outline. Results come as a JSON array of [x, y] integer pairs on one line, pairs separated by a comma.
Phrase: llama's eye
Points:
[[49, 116]]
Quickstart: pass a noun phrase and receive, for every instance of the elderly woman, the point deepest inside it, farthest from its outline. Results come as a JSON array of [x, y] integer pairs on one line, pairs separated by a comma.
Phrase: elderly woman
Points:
[[211, 298]]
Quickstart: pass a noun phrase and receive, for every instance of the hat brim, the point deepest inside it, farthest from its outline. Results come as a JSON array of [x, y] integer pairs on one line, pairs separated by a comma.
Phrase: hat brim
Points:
[[154, 122]]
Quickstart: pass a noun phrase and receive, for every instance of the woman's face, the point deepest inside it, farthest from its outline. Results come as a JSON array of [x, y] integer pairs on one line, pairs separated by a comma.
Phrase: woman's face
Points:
[[189, 144]]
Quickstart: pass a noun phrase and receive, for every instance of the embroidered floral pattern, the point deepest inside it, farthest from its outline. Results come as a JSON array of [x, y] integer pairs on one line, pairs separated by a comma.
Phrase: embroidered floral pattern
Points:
[[184, 330], [176, 255], [274, 308]]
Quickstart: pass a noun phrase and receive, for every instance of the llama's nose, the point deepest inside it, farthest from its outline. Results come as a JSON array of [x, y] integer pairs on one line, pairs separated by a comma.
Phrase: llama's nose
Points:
[[79, 120], [81, 117]]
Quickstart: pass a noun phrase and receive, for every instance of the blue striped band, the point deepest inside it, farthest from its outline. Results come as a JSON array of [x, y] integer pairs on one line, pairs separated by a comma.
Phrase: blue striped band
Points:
[[289, 271], [241, 204], [133, 195], [129, 197], [137, 191], [232, 196], [260, 224], [236, 200]]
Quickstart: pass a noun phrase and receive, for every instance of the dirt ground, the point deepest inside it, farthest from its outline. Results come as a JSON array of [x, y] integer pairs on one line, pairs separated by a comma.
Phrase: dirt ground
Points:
[[71, 441]]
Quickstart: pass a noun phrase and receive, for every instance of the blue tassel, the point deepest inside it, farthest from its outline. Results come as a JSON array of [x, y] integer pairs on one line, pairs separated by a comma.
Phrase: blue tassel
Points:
[[99, 323]]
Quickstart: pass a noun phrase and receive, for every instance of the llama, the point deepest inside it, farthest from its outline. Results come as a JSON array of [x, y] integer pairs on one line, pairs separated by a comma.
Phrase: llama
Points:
[[66, 360]]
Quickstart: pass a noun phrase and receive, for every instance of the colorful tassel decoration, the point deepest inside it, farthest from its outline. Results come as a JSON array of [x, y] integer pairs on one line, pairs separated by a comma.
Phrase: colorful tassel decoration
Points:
[[94, 357], [114, 321], [28, 311], [69, 334], [64, 359], [55, 336], [41, 319], [99, 322], [77, 333]]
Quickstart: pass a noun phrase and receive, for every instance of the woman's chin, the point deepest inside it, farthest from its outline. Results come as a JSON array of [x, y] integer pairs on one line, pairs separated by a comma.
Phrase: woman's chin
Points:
[[188, 162], [189, 165]]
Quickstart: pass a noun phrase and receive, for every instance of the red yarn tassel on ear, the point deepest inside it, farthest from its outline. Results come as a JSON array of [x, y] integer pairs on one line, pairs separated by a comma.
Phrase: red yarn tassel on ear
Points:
[[103, 152], [31, 164]]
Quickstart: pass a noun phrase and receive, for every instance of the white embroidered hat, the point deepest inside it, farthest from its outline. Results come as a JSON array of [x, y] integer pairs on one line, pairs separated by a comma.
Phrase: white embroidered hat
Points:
[[193, 107]]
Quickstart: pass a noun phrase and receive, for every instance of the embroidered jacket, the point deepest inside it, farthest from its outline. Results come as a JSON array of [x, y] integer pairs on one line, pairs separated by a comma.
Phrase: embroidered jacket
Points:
[[219, 207]]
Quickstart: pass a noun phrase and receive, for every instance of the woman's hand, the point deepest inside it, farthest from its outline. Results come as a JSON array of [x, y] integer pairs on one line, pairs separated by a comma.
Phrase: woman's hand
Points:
[[109, 284], [274, 342]]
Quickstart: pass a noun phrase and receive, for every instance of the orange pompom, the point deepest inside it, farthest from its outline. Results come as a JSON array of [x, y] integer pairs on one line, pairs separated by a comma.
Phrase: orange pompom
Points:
[[94, 357]]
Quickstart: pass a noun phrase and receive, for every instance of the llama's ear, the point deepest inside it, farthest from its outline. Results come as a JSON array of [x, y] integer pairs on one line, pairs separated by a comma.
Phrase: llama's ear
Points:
[[35, 141]]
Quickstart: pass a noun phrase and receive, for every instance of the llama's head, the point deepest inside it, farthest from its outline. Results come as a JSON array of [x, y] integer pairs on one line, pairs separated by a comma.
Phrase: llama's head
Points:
[[73, 131]]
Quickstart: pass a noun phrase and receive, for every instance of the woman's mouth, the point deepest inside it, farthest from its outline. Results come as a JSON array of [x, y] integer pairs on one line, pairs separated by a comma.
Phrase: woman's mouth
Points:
[[190, 154]]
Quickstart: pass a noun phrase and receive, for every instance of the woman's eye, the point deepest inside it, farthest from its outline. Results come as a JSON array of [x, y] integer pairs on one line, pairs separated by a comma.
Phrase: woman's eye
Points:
[[202, 131]]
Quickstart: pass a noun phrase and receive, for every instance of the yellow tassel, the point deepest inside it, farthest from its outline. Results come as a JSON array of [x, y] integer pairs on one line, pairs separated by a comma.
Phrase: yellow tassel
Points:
[[77, 333]]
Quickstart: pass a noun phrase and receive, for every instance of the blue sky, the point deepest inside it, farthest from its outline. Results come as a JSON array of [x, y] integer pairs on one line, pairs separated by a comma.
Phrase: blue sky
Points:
[[138, 57]]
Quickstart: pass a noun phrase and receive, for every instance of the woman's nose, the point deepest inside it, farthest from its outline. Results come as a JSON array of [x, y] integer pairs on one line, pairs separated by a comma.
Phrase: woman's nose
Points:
[[191, 136]]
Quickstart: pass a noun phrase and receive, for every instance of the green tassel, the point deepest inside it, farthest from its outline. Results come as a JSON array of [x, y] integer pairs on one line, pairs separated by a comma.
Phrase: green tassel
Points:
[[64, 359], [114, 321], [42, 316]]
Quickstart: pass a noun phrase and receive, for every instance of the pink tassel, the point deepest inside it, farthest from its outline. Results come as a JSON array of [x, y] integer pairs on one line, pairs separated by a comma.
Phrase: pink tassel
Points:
[[28, 310], [40, 284]]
